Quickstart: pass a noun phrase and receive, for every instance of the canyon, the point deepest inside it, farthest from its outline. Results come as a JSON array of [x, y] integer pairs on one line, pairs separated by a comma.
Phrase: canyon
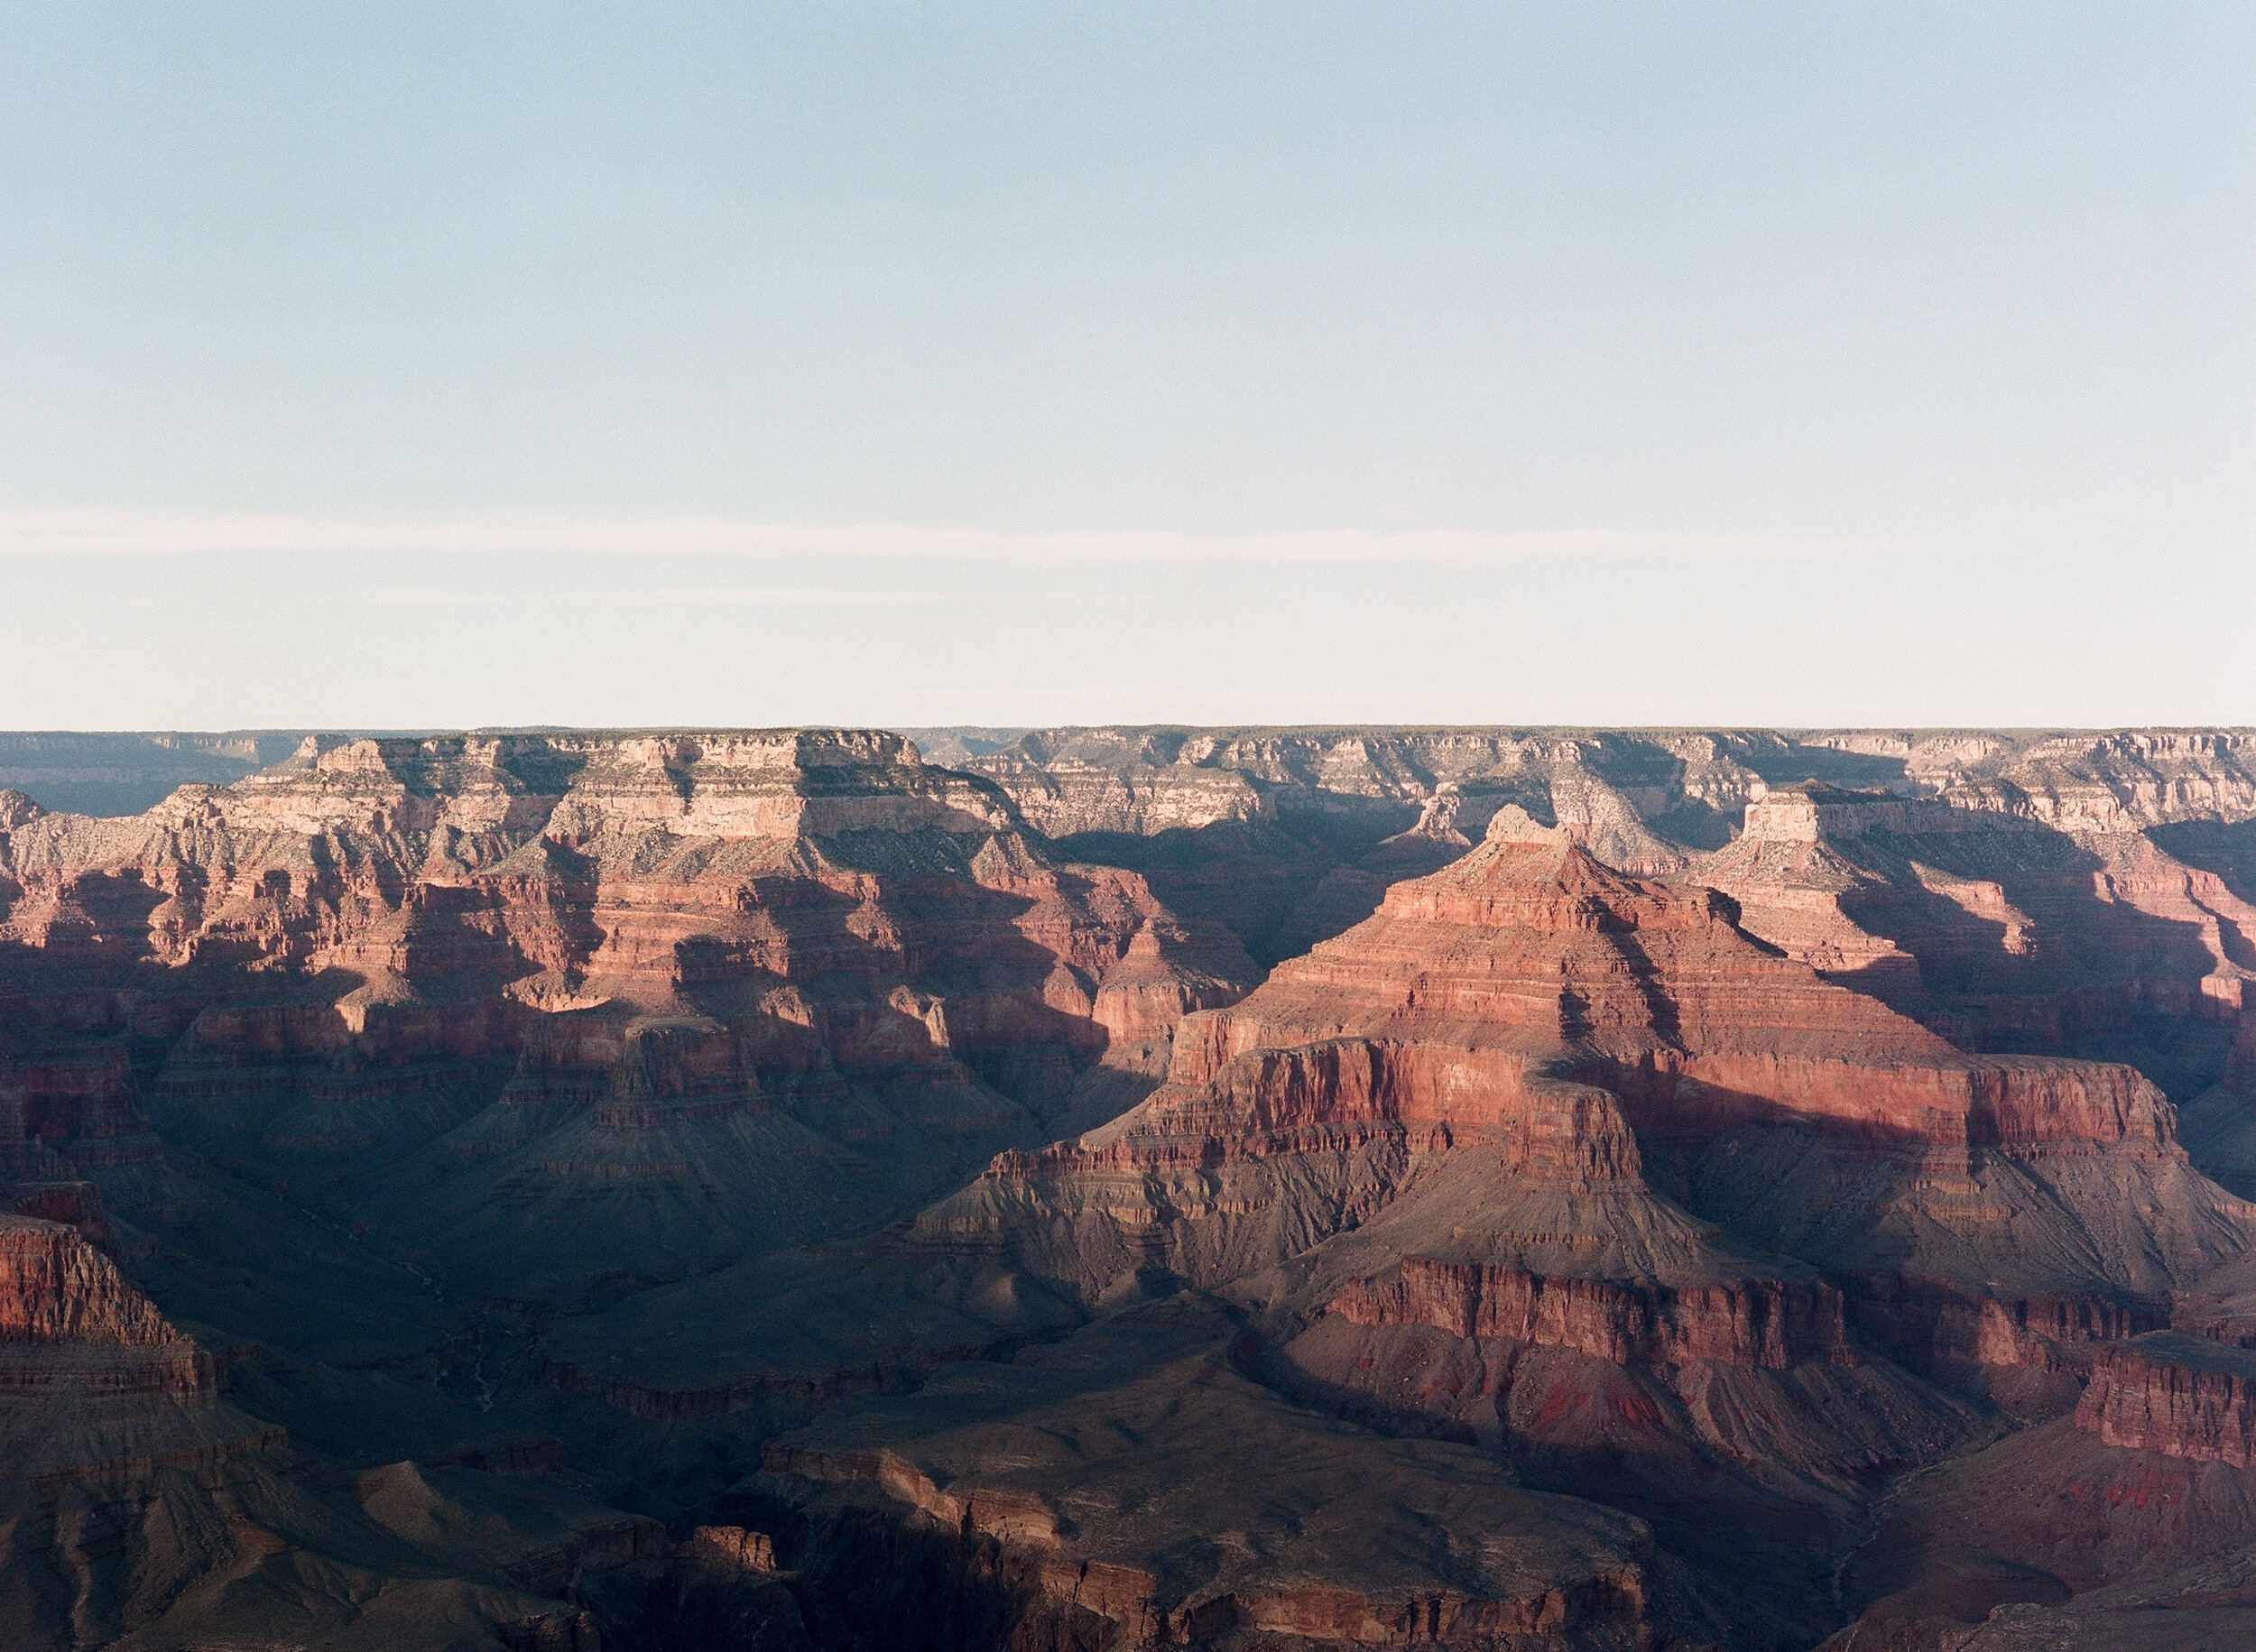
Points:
[[1109, 1188]]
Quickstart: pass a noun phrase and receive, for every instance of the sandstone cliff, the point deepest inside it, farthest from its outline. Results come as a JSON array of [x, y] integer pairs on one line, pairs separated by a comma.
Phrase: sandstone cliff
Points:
[[2180, 1395]]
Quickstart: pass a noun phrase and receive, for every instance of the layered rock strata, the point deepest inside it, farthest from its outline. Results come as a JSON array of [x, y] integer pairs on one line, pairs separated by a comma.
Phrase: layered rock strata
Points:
[[67, 1317], [1083, 1484], [2182, 1396], [1529, 994], [1550, 1172], [643, 986], [1439, 1126], [2002, 924], [1218, 810], [1767, 1323]]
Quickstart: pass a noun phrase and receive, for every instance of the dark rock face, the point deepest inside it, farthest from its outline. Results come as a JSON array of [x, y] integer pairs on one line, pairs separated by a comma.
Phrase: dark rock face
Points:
[[1265, 1188]]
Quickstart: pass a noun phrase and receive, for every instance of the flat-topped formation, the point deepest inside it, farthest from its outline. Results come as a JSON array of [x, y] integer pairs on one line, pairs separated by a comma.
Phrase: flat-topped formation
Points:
[[2183, 1395]]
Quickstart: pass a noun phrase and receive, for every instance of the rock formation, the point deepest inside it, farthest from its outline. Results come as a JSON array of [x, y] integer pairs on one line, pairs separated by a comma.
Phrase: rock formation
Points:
[[1086, 1488], [2129, 852], [705, 1189], [2182, 1396], [677, 993], [1531, 996]]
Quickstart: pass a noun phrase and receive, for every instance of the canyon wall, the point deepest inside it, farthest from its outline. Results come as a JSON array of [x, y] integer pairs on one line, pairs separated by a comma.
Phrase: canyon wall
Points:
[[1079, 1188]]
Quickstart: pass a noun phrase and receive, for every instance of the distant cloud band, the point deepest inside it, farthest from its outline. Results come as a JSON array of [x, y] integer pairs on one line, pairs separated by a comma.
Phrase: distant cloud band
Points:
[[117, 532], [787, 595]]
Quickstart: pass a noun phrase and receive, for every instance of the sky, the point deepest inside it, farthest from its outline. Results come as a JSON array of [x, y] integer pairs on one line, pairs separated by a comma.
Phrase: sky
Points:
[[391, 365]]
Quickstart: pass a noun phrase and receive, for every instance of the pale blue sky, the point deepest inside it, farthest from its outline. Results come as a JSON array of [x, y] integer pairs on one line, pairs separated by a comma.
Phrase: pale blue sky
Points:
[[391, 365]]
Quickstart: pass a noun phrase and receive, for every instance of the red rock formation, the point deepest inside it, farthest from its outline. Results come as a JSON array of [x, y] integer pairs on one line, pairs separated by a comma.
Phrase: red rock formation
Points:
[[72, 1328], [1999, 922], [69, 1320], [1552, 1152], [1428, 1122], [651, 865], [663, 936], [731, 1548], [1767, 1323], [2012, 893], [2182, 1396], [1450, 1007], [1075, 1491], [55, 1288]]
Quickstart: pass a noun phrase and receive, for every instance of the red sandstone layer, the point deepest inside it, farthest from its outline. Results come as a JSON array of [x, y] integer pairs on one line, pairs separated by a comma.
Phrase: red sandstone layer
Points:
[[1768, 1323], [67, 1316], [1529, 947], [2180, 1395]]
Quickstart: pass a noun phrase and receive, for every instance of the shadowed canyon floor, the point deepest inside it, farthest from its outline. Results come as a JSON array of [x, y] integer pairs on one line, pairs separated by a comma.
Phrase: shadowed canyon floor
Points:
[[1094, 1189]]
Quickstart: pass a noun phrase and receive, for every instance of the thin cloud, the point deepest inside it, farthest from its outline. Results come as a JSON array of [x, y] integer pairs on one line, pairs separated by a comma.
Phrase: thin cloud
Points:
[[787, 595], [117, 532]]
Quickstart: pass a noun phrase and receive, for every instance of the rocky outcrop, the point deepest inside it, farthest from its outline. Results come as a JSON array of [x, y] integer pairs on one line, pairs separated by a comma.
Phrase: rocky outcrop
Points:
[[1167, 974], [1148, 780], [100, 1395], [2128, 778], [1533, 950], [651, 864], [67, 1319], [1461, 1009], [731, 1548], [1424, 1158], [1999, 923], [2182, 1396], [56, 1288], [2015, 892], [1769, 1323], [1069, 1491]]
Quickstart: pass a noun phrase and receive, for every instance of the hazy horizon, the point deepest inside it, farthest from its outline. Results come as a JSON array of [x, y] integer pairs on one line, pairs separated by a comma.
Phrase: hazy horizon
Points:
[[1758, 366]]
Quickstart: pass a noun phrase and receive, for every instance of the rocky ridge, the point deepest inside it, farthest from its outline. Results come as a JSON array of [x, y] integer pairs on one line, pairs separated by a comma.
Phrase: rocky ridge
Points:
[[564, 975]]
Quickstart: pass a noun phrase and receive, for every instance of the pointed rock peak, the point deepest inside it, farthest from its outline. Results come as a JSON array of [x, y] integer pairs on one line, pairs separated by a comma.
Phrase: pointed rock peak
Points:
[[16, 808]]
